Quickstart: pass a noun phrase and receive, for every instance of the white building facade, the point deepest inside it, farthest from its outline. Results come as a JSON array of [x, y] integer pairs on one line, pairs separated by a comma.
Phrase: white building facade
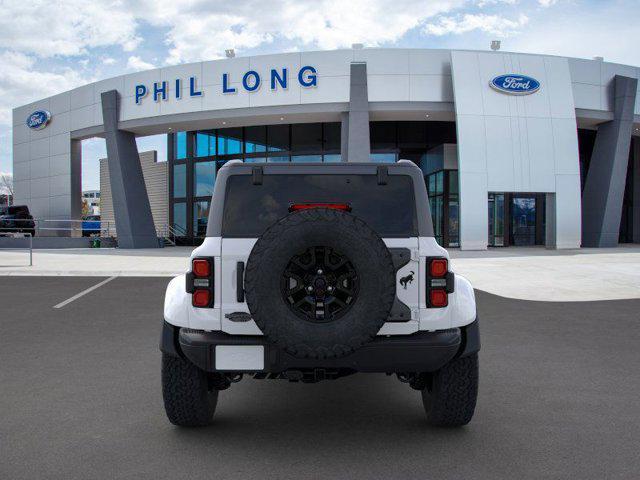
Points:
[[516, 148]]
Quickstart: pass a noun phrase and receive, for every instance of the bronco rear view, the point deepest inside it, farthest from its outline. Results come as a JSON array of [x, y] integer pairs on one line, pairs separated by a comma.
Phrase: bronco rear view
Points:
[[315, 272]]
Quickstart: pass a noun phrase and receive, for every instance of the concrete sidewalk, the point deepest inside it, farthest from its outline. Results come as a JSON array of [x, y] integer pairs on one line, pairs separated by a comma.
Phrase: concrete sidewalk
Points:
[[553, 275], [521, 273], [97, 262]]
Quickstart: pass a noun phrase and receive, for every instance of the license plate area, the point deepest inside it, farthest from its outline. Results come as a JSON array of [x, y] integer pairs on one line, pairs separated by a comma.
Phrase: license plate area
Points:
[[239, 357]]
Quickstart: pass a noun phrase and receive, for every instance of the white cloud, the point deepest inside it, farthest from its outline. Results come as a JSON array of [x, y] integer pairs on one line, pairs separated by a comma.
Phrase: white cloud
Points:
[[46, 28], [204, 30], [136, 63], [597, 34], [20, 83], [547, 3], [491, 24], [109, 60]]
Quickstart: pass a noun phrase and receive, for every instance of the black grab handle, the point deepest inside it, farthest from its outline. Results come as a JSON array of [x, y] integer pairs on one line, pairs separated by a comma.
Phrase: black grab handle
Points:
[[240, 282]]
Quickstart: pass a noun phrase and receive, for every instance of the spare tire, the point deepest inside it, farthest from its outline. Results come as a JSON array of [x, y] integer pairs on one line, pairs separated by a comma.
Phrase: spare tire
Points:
[[320, 283]]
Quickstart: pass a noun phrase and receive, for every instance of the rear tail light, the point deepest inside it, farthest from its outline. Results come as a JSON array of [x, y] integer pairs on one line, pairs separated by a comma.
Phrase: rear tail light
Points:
[[438, 267], [201, 298], [306, 206], [438, 298], [200, 282], [440, 282], [201, 267]]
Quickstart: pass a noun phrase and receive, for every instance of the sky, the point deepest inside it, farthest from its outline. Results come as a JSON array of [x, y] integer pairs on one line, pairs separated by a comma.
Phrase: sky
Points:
[[47, 47]]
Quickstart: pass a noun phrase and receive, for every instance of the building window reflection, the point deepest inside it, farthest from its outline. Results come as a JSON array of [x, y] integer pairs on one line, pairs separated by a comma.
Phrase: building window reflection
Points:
[[204, 177], [196, 156]]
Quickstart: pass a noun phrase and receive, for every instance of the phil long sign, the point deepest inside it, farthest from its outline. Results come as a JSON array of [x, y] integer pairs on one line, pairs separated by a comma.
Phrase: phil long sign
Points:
[[251, 81], [515, 84]]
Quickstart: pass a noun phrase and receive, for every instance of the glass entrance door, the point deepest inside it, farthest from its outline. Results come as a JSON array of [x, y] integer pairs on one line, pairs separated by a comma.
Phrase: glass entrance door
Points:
[[496, 219], [523, 220]]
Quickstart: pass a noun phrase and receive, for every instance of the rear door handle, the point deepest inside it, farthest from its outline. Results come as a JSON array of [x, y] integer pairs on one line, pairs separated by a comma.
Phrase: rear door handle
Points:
[[240, 282]]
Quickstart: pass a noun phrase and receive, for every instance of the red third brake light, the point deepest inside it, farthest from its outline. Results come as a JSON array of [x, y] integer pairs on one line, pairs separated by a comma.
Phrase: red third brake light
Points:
[[305, 206], [438, 267], [201, 268]]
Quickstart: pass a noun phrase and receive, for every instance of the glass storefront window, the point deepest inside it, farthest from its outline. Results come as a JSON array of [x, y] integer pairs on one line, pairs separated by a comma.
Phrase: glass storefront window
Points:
[[180, 180], [496, 219], [454, 223], [283, 159], [412, 134], [255, 139], [453, 182], [306, 137], [194, 180], [180, 217], [181, 145], [383, 157], [306, 158], [383, 135], [278, 137], [229, 141], [204, 177], [200, 218], [439, 182], [332, 132], [205, 144]]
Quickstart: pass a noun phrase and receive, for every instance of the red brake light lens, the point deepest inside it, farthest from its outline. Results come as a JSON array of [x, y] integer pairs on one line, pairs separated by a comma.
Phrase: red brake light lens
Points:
[[305, 206], [200, 298], [438, 267], [438, 298], [201, 268]]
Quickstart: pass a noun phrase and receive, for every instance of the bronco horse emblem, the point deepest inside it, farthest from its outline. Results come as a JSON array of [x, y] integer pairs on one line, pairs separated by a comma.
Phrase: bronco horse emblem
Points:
[[404, 281]]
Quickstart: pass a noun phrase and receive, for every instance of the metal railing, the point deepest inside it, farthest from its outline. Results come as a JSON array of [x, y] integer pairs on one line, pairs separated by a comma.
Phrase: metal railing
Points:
[[170, 233], [75, 228], [72, 227]]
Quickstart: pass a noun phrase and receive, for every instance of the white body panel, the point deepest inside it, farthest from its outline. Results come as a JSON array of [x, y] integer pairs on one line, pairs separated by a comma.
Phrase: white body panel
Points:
[[227, 252]]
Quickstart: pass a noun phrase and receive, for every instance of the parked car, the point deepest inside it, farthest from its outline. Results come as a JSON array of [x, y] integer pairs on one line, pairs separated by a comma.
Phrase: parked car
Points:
[[315, 272], [17, 219], [91, 225]]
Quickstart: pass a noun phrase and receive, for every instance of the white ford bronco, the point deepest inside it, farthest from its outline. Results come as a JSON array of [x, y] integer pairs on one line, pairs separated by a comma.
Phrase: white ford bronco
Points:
[[313, 272]]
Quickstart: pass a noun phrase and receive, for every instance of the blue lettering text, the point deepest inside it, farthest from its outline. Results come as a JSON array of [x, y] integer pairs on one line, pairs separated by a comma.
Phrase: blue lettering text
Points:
[[192, 88], [310, 80], [251, 86], [157, 91], [225, 84], [141, 91], [275, 77]]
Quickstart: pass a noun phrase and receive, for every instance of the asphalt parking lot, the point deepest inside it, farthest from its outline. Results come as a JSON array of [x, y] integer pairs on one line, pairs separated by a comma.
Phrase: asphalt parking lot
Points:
[[80, 399]]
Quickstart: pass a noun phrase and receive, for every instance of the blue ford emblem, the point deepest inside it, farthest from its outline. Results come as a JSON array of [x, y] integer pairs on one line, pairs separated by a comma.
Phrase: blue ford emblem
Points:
[[515, 84], [38, 119]]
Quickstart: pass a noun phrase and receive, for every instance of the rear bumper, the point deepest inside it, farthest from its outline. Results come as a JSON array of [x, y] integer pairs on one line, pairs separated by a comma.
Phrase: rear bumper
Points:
[[419, 352]]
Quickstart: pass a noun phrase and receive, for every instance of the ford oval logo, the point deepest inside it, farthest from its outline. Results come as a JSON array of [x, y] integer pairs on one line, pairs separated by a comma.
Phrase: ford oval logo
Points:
[[515, 84], [38, 119]]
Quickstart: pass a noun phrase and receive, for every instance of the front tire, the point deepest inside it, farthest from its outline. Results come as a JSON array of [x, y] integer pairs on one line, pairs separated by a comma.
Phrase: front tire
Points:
[[450, 395], [189, 399]]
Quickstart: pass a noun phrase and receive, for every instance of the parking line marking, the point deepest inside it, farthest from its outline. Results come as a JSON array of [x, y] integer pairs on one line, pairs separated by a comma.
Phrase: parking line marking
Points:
[[83, 293]]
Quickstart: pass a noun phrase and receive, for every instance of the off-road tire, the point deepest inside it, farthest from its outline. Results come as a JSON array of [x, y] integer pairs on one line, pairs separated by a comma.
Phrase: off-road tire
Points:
[[293, 234], [189, 401], [450, 395]]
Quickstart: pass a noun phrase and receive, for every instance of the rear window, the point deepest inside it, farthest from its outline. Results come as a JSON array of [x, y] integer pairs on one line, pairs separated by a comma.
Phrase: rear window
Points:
[[388, 209]]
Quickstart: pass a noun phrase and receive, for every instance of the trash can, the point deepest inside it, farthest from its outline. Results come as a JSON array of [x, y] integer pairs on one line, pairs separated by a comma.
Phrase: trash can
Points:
[[95, 243]]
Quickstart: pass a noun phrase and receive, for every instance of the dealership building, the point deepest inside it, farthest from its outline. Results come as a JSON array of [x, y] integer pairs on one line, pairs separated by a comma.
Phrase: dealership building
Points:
[[516, 149]]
